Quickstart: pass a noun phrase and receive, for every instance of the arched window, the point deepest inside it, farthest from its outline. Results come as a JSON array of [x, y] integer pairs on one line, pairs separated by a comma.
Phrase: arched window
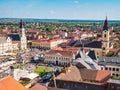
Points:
[[105, 35]]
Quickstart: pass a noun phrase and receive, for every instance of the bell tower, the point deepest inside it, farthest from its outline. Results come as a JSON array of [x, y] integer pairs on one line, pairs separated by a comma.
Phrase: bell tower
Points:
[[23, 39], [105, 38]]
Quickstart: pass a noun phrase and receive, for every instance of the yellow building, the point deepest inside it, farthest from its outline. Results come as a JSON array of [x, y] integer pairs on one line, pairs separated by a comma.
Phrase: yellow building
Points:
[[46, 43], [61, 56]]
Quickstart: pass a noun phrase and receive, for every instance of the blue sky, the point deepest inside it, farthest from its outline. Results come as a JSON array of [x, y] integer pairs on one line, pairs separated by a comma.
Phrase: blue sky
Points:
[[60, 9]]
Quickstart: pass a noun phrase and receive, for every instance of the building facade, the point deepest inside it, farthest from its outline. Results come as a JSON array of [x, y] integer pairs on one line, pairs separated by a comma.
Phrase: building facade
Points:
[[47, 43], [111, 64], [5, 45], [61, 56], [13, 42], [82, 79]]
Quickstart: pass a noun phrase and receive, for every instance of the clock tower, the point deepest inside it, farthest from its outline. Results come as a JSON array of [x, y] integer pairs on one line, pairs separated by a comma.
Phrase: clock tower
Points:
[[105, 38], [23, 39]]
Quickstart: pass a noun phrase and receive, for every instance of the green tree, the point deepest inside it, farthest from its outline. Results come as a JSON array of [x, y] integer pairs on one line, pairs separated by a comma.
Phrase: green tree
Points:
[[110, 54], [99, 35]]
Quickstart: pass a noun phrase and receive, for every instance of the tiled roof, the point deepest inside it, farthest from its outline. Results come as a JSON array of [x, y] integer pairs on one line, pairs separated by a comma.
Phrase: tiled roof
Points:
[[64, 53], [88, 74], [42, 87], [38, 87], [101, 74], [47, 40], [33, 31], [92, 55], [113, 61], [9, 83], [75, 74], [72, 74], [14, 37], [71, 49], [79, 65], [90, 44], [78, 56], [93, 44]]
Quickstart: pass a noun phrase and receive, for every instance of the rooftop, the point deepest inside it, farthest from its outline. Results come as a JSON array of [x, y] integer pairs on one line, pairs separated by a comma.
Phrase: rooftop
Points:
[[42, 87], [14, 37], [83, 74], [113, 61], [63, 53], [9, 83], [90, 44]]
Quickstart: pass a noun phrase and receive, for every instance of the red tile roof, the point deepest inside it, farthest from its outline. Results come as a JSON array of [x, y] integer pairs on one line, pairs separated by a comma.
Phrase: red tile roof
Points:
[[72, 74], [38, 87], [64, 53], [102, 74], [47, 40], [75, 74], [71, 49], [33, 31], [42, 87], [9, 83]]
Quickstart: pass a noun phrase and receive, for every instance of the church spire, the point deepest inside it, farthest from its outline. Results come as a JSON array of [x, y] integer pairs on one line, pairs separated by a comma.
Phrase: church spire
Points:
[[21, 24], [105, 27]]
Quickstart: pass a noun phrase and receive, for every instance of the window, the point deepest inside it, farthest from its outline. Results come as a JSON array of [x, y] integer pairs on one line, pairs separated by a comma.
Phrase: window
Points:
[[105, 35], [106, 68], [113, 74], [113, 69], [103, 48], [117, 69], [117, 75], [101, 68], [110, 68]]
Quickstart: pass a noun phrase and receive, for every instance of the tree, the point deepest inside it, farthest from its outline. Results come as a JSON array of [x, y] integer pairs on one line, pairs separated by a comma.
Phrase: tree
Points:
[[99, 35], [109, 54]]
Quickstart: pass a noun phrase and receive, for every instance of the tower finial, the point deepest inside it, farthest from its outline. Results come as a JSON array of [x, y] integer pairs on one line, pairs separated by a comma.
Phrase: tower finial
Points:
[[105, 27], [21, 24]]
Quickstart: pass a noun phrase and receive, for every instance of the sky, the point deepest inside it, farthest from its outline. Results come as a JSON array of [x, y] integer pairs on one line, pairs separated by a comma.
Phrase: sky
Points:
[[61, 9]]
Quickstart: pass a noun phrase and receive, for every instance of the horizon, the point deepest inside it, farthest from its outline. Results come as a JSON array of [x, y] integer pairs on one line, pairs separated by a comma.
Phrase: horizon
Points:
[[61, 9], [59, 19]]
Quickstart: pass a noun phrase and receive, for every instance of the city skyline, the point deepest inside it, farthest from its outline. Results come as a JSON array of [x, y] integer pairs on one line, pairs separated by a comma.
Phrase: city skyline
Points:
[[60, 9]]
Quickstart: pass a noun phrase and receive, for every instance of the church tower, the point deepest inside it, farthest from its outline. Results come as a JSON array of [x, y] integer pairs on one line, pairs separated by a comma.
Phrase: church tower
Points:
[[23, 39], [105, 38]]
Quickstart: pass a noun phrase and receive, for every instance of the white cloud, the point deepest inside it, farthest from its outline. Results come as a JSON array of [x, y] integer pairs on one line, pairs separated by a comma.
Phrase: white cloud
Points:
[[76, 2], [52, 12]]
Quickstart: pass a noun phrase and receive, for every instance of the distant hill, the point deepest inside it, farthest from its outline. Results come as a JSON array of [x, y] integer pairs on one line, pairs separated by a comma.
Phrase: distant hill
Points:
[[50, 20]]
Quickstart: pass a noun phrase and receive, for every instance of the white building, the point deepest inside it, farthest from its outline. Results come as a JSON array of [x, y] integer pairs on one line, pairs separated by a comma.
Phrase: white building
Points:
[[5, 45], [13, 42]]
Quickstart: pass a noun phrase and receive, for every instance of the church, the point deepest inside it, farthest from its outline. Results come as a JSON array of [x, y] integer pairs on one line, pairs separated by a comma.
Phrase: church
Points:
[[14, 41], [20, 37], [101, 48]]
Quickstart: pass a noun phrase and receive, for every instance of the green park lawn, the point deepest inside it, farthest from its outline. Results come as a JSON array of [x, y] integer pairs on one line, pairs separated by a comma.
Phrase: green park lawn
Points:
[[41, 71]]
